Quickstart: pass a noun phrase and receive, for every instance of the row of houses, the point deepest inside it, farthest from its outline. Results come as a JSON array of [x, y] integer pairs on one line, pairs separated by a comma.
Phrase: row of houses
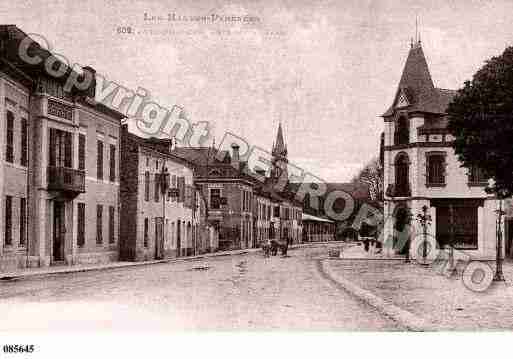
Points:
[[77, 187]]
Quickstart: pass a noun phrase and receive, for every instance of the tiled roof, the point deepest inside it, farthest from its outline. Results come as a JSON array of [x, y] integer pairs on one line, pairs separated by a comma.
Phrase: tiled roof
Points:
[[417, 83]]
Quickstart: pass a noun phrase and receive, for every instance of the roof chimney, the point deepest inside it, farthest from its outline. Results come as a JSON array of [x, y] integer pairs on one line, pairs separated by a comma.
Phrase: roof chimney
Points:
[[235, 156]]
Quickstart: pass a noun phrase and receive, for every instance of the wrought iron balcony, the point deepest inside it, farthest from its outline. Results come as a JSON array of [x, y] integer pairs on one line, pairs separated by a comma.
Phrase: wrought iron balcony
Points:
[[66, 179], [402, 190]]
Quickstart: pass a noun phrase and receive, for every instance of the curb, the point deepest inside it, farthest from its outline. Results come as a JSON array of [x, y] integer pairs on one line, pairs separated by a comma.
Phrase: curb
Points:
[[401, 316], [118, 265]]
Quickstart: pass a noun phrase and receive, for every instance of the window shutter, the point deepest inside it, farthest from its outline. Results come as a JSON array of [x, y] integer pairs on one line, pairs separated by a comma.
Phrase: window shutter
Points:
[[181, 189], [81, 152], [68, 148]]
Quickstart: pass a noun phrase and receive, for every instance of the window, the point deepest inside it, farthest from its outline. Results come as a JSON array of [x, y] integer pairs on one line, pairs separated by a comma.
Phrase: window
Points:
[[9, 149], [81, 224], [99, 224], [99, 160], [81, 151], [276, 211], [112, 159], [435, 162], [111, 224], [215, 198], [23, 221], [156, 179], [145, 239], [61, 145], [146, 186], [402, 182], [402, 131], [24, 142], [477, 176], [8, 221]]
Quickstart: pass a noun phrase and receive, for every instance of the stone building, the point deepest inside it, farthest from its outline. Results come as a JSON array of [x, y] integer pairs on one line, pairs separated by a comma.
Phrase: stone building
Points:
[[158, 223], [421, 169], [244, 210], [59, 161]]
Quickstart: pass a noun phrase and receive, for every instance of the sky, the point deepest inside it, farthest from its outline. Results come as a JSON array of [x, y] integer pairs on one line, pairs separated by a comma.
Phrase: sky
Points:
[[326, 70]]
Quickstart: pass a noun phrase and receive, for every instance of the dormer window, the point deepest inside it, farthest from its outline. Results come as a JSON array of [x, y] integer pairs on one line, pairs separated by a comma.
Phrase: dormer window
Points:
[[402, 131]]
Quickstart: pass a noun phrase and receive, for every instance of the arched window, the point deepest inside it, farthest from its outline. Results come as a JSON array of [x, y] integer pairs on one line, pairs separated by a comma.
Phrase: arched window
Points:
[[402, 131], [402, 183]]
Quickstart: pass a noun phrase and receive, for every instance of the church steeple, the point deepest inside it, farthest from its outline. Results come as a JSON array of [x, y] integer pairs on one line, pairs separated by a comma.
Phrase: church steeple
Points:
[[279, 152], [279, 147]]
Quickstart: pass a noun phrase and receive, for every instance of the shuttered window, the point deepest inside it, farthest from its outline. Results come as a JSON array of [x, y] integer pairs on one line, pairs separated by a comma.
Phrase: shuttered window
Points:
[[146, 186], [60, 148], [156, 180], [181, 189], [24, 142], [99, 160], [9, 145], [112, 163], [8, 221], [111, 224], [23, 221], [99, 224]]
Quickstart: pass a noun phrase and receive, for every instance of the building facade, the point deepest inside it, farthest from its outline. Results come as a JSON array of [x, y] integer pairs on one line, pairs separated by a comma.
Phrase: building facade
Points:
[[59, 164], [421, 169], [159, 220]]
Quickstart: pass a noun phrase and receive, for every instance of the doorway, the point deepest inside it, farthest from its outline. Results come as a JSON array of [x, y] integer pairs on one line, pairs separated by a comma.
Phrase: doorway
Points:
[[159, 238], [178, 239], [59, 232]]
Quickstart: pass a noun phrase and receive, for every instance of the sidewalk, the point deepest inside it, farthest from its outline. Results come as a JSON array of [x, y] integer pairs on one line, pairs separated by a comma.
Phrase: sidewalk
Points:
[[32, 272], [357, 251], [439, 302]]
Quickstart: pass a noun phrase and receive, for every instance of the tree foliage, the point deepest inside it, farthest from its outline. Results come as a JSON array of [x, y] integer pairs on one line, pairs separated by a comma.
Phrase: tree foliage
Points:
[[481, 120]]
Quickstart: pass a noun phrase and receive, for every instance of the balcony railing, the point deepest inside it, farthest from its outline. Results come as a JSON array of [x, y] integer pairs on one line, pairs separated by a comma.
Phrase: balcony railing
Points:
[[66, 179]]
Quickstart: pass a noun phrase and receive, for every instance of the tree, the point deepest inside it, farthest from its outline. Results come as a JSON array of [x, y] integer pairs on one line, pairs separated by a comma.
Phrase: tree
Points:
[[481, 120], [372, 176]]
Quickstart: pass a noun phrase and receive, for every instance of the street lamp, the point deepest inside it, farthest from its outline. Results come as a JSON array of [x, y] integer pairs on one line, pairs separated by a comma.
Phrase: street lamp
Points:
[[499, 276], [501, 193], [164, 187], [425, 220]]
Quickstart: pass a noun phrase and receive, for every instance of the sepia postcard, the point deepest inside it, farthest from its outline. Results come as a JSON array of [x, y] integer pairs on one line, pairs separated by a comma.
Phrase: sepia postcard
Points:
[[172, 168]]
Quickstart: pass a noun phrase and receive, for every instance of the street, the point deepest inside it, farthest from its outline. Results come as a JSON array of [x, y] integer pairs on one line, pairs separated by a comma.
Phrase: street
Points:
[[239, 292]]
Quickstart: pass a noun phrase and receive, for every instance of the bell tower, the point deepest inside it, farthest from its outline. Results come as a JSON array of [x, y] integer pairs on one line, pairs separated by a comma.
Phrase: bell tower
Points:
[[279, 153]]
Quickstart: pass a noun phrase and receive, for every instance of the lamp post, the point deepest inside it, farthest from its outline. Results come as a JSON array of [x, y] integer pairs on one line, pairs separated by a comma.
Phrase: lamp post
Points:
[[501, 194], [425, 220], [499, 276]]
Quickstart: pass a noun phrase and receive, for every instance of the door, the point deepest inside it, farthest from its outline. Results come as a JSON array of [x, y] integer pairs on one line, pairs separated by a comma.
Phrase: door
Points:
[[508, 229], [159, 238], [178, 239], [59, 232]]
